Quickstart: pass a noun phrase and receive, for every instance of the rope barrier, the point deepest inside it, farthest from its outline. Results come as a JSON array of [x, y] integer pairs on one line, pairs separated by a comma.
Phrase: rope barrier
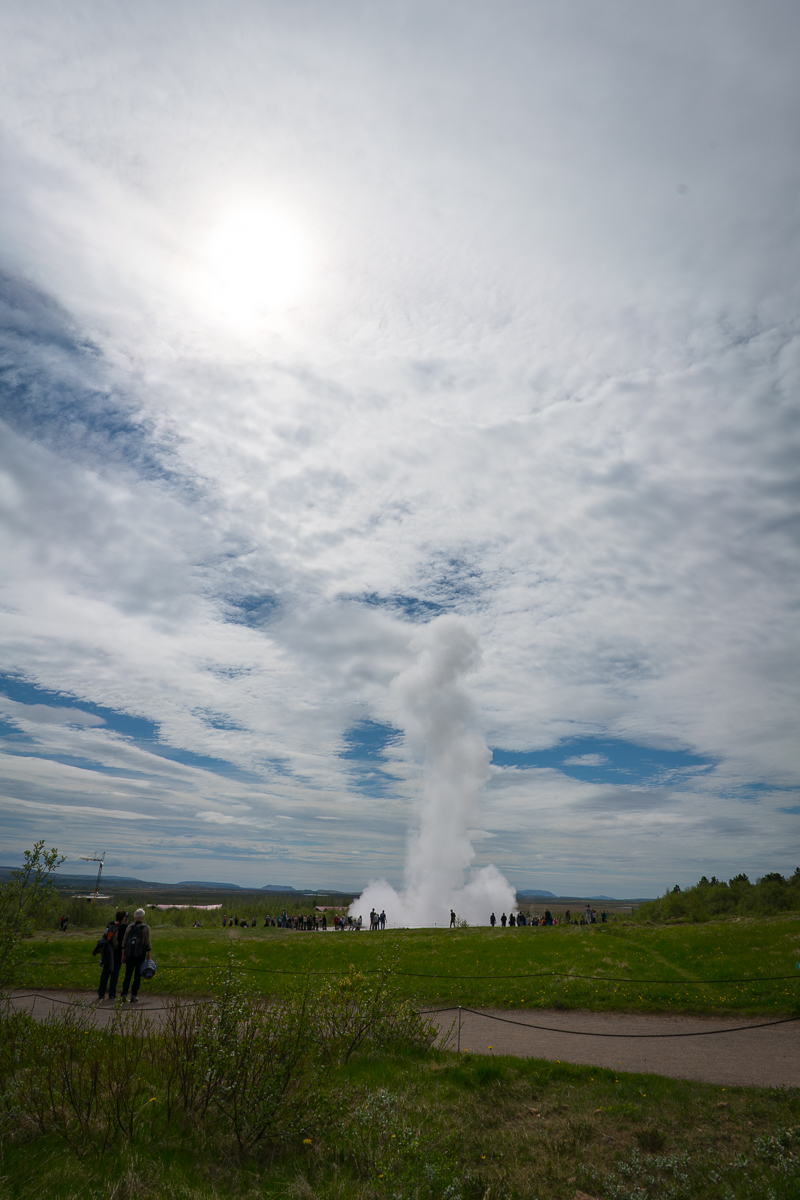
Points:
[[589, 1033], [473, 1011], [80, 1003]]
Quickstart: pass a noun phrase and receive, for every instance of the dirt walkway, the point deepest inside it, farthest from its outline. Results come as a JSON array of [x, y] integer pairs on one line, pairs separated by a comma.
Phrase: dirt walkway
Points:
[[765, 1057], [759, 1057]]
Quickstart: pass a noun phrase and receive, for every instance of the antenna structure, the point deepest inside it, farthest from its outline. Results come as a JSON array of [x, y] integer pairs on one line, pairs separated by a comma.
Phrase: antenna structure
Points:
[[98, 858]]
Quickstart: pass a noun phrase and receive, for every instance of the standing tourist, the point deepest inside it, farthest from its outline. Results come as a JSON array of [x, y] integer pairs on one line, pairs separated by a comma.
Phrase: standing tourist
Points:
[[135, 949], [120, 929]]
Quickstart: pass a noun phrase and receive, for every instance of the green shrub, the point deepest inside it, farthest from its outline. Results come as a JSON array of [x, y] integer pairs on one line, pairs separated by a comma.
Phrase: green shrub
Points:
[[768, 896], [239, 1063]]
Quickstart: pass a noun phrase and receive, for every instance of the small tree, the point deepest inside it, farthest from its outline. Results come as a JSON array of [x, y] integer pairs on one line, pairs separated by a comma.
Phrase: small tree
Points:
[[29, 891]]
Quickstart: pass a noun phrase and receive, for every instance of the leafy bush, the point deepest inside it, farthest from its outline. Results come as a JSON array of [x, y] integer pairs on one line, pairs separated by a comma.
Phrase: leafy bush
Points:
[[239, 1063], [28, 895], [365, 1010], [768, 896]]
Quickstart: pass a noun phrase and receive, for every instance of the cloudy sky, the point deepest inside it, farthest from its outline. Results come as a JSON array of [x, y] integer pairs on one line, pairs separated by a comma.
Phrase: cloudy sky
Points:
[[322, 318]]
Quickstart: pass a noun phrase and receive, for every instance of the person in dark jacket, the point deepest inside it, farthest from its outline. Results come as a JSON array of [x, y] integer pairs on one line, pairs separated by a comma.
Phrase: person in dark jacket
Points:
[[135, 949], [105, 949], [120, 929], [109, 947]]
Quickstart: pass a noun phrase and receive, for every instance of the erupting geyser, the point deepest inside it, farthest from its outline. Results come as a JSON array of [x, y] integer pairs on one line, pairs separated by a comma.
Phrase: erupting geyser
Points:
[[439, 719]]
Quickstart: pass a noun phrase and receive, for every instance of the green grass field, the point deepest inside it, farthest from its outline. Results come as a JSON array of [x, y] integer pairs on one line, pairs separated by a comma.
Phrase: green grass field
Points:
[[600, 967]]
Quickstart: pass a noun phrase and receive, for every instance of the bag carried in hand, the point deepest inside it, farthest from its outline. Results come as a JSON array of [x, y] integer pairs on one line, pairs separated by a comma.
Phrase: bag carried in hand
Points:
[[148, 968]]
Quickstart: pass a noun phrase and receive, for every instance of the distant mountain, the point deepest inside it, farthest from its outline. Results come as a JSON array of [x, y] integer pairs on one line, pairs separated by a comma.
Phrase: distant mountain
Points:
[[276, 887], [204, 884], [105, 879], [551, 896]]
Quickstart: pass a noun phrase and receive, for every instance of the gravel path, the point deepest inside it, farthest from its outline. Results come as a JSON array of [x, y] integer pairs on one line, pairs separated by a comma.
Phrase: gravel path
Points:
[[759, 1057], [751, 1056]]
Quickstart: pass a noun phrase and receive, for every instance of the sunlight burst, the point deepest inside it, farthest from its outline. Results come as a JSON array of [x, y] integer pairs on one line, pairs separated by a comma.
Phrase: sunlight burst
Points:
[[258, 262]]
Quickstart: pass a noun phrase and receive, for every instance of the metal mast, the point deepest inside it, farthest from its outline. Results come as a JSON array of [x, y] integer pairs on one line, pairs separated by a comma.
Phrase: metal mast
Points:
[[98, 858]]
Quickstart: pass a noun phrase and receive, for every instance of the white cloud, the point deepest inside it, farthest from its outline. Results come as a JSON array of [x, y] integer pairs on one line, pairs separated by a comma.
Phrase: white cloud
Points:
[[45, 714], [532, 382], [218, 818]]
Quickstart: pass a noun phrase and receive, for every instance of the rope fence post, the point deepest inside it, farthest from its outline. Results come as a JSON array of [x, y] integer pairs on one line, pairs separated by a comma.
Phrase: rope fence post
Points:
[[459, 1029]]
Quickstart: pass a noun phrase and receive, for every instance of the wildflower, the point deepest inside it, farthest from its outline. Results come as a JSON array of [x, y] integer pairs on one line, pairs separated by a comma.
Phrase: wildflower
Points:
[[306, 1141]]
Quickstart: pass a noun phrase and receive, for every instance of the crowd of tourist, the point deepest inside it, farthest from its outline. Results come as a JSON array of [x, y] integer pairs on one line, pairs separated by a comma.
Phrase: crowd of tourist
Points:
[[310, 921], [588, 917], [283, 920], [377, 920]]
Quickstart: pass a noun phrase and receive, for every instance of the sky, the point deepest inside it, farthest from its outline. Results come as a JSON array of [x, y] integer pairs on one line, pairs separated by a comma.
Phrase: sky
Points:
[[323, 319]]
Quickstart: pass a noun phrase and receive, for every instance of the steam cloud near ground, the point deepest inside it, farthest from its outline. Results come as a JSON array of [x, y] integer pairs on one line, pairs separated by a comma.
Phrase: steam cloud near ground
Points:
[[440, 724]]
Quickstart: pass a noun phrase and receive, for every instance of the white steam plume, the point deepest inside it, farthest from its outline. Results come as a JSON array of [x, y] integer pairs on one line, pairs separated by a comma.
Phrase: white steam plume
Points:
[[439, 719]]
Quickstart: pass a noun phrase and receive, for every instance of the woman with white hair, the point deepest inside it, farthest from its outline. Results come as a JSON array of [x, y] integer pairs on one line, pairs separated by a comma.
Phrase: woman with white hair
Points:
[[135, 949]]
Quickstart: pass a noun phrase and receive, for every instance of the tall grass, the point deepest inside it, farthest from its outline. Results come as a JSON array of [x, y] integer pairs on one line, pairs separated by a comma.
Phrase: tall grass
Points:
[[227, 1101], [238, 1064]]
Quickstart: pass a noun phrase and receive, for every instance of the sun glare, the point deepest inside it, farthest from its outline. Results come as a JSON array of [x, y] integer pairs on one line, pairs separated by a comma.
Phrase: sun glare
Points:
[[258, 262]]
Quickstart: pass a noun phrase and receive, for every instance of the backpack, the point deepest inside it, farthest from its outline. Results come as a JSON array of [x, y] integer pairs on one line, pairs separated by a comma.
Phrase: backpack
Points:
[[135, 946], [104, 946]]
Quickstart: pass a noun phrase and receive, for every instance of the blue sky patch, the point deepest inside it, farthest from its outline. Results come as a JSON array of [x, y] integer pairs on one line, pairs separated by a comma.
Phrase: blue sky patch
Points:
[[365, 746], [367, 740], [9, 730], [455, 579], [253, 610], [59, 391], [142, 732], [599, 760], [412, 608], [24, 692]]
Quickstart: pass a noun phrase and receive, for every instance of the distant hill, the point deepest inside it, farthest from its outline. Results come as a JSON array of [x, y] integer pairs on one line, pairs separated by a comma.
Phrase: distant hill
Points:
[[276, 887], [205, 884], [574, 899]]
